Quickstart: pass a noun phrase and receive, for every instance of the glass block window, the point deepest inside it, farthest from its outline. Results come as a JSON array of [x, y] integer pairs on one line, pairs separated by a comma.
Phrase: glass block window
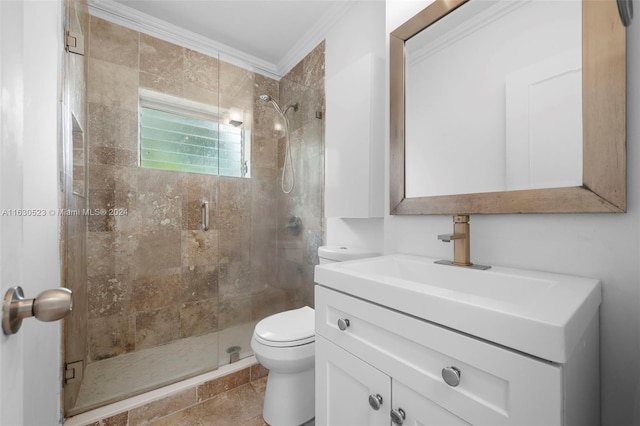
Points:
[[181, 135]]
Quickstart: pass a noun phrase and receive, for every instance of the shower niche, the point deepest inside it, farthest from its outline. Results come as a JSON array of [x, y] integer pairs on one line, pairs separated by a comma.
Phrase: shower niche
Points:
[[166, 299]]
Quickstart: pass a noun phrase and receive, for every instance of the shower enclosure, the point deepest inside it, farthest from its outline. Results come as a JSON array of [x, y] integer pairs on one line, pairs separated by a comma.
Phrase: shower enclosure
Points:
[[153, 131]]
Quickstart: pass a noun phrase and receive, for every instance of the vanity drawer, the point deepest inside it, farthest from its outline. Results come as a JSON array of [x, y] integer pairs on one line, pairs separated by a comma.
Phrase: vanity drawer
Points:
[[497, 386]]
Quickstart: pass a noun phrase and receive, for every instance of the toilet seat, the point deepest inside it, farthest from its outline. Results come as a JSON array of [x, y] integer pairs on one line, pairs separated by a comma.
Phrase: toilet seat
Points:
[[285, 329]]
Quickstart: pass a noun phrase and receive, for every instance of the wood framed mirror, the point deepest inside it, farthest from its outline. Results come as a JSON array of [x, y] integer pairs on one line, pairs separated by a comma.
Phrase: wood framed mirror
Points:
[[603, 98]]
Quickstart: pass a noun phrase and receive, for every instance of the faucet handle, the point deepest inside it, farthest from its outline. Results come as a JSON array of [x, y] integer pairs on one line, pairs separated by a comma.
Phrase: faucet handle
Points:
[[448, 237]]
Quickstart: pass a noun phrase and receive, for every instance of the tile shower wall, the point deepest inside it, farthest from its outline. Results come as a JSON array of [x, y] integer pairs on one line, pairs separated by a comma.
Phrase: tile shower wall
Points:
[[153, 275], [297, 255]]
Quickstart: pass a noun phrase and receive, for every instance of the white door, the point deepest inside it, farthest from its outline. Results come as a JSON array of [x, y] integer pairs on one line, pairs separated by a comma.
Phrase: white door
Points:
[[30, 49], [344, 384]]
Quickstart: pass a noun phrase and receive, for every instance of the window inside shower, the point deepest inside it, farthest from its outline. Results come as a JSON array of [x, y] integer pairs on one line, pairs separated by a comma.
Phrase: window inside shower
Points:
[[182, 135]]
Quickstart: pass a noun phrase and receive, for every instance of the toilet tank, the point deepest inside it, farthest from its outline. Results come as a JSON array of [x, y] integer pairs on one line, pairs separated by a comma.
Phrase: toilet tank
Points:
[[330, 254]]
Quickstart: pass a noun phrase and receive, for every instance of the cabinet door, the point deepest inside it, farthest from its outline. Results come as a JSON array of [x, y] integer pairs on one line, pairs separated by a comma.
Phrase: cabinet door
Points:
[[420, 410], [344, 384]]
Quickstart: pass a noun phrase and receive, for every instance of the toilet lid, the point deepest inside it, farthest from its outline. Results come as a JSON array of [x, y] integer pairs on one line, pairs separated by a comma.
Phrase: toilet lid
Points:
[[295, 327]]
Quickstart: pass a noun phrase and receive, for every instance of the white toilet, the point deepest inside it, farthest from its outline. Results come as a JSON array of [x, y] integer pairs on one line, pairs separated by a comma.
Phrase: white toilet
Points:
[[284, 343]]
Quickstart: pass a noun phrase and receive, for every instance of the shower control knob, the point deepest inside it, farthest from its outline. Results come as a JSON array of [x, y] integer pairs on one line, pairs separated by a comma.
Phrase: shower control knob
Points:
[[375, 401], [343, 323], [397, 416], [451, 376]]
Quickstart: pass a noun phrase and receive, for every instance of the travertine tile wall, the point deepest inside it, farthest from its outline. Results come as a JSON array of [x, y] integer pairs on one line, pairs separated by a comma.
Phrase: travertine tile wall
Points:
[[153, 275], [297, 255]]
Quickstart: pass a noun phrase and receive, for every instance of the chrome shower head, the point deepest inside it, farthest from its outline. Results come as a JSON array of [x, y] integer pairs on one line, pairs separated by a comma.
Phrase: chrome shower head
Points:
[[267, 98]]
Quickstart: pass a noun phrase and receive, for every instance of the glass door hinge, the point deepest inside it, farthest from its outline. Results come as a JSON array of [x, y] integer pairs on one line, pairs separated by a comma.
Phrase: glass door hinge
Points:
[[73, 371], [74, 43]]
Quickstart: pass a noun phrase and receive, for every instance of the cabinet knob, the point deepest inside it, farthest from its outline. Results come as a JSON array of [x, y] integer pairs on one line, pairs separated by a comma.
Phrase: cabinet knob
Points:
[[375, 401], [451, 376], [343, 323], [398, 416]]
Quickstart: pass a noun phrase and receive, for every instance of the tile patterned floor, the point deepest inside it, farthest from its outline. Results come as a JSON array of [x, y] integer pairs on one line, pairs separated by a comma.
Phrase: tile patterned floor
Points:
[[232, 400]]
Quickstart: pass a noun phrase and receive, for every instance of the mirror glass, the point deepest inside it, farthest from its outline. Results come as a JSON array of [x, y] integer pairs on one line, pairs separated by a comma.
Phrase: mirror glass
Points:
[[494, 99]]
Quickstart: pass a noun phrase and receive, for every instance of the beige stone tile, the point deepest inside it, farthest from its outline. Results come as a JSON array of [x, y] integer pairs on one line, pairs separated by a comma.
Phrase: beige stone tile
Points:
[[156, 291], [198, 318], [166, 182], [161, 84], [112, 85], [260, 385], [256, 421], [161, 58], [313, 65], [199, 283], [235, 196], [234, 310], [157, 409], [154, 251], [107, 200], [257, 372], [103, 176], [121, 419], [159, 212], [231, 408], [157, 327], [101, 258], [201, 70], [236, 82], [113, 43], [199, 94], [110, 336], [108, 295], [112, 127], [235, 240], [113, 156], [200, 248], [264, 151], [268, 302], [218, 386], [234, 278]]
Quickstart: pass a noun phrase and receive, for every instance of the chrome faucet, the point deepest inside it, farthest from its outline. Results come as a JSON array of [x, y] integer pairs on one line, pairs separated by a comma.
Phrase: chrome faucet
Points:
[[461, 244]]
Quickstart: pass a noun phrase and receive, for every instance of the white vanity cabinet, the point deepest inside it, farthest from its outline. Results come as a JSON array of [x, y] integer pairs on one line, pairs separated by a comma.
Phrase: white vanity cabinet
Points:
[[365, 350]]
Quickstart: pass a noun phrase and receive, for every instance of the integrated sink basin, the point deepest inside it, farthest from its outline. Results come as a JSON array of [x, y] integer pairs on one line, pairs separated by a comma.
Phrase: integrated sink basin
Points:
[[538, 313]]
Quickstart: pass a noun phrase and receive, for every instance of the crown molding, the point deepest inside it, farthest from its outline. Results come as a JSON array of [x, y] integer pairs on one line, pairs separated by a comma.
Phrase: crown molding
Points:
[[120, 14], [316, 33], [133, 19]]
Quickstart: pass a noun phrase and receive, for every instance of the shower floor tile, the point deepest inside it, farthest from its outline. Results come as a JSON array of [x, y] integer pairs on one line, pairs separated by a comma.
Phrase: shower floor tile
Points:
[[126, 375]]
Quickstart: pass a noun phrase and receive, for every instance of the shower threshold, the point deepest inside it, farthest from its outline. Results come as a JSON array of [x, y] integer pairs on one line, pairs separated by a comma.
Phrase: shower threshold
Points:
[[124, 376]]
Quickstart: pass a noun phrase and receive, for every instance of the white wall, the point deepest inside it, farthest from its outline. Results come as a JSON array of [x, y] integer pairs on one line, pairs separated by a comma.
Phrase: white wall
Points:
[[604, 246], [360, 31]]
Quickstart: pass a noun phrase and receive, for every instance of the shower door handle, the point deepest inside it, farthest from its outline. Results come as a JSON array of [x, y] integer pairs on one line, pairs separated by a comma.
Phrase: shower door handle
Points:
[[50, 305], [204, 213]]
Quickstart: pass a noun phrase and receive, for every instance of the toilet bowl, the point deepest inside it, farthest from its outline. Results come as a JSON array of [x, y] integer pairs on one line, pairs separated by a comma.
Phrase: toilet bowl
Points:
[[284, 343]]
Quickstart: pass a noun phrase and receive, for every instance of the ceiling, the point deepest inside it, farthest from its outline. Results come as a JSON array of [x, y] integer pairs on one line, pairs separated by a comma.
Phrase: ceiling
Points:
[[268, 30]]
